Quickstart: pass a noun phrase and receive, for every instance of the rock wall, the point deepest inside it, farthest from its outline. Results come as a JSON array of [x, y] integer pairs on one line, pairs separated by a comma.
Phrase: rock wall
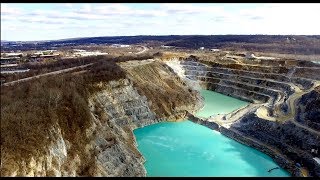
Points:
[[152, 93], [272, 84], [283, 154], [291, 140], [308, 111], [109, 146], [168, 94], [286, 143]]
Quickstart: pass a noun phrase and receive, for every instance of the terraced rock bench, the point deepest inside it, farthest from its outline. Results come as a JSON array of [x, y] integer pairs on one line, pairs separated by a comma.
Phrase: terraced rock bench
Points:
[[277, 97], [274, 85], [273, 73], [124, 104], [292, 140], [308, 111]]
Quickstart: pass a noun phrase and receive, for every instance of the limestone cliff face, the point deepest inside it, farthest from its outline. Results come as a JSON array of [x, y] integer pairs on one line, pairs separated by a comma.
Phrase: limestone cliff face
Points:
[[107, 146], [291, 101], [308, 111], [169, 96]]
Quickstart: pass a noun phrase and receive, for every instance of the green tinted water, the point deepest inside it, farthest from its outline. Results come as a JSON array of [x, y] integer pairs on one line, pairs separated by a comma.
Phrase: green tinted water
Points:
[[216, 103], [188, 149]]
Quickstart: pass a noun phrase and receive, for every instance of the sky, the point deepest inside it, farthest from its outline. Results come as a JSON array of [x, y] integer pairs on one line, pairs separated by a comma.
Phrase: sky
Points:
[[51, 21]]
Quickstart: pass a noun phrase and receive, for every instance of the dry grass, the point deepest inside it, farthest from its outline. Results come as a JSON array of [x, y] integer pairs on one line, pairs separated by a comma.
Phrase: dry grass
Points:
[[40, 68], [314, 57], [167, 94], [29, 111], [167, 55]]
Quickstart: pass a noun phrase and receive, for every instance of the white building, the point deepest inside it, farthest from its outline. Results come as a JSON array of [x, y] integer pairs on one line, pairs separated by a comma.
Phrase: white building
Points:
[[13, 54], [163, 46], [49, 51], [120, 45], [79, 50], [45, 52], [201, 48], [88, 53], [250, 55], [215, 50]]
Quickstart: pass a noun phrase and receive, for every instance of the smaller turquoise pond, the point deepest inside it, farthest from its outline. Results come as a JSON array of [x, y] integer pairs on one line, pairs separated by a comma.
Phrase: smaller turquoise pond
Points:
[[216, 103]]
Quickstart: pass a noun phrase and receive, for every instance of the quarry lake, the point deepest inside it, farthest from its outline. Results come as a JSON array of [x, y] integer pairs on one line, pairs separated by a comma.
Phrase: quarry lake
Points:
[[191, 150], [216, 103]]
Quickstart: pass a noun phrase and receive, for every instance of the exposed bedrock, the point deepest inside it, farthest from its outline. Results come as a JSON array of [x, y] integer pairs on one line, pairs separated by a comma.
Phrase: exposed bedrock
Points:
[[135, 104], [294, 142], [116, 109], [244, 87], [169, 96], [285, 87], [286, 143], [308, 109], [107, 143], [279, 62], [244, 71], [295, 71], [255, 83], [104, 145]]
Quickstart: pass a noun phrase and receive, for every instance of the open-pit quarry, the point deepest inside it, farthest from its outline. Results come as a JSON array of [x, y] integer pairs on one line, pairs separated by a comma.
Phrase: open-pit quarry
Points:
[[282, 118]]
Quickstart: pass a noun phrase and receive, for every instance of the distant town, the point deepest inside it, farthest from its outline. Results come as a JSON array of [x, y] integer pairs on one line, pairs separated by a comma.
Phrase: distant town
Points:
[[18, 56], [13, 61]]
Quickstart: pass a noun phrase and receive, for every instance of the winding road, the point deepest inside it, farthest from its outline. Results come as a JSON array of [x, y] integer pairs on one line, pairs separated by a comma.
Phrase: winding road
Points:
[[142, 51], [45, 74], [262, 111]]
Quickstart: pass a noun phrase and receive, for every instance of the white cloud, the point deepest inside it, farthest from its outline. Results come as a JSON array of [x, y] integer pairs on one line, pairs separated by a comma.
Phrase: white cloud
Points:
[[290, 18], [176, 8], [117, 9], [164, 18]]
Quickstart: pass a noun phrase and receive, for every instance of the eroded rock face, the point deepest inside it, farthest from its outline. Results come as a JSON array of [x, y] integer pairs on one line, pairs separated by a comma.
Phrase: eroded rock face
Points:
[[114, 110], [169, 96], [108, 146], [308, 111], [291, 140], [295, 135]]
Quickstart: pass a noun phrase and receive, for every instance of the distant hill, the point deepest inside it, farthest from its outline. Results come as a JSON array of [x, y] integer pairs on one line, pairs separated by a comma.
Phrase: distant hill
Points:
[[296, 44], [268, 43]]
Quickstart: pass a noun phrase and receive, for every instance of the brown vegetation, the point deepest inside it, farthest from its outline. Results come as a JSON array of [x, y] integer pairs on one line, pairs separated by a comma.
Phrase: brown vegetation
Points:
[[168, 95], [30, 110], [41, 68]]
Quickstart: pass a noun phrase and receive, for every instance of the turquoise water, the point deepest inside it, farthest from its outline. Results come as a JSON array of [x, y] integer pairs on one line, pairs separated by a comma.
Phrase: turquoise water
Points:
[[216, 103], [191, 150]]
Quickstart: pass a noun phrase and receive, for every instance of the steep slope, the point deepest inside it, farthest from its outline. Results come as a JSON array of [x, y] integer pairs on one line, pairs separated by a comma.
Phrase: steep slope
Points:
[[169, 95], [308, 111], [81, 124], [284, 110]]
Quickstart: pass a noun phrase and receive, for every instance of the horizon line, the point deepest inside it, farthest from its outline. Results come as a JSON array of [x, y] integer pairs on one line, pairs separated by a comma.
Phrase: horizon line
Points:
[[162, 35]]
